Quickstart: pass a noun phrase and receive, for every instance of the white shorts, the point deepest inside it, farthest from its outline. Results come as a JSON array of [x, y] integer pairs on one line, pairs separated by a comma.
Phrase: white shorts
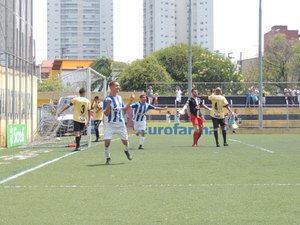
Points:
[[139, 125], [110, 130]]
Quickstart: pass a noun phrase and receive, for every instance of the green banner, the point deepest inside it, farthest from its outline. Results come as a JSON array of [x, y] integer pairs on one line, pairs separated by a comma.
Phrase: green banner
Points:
[[16, 135]]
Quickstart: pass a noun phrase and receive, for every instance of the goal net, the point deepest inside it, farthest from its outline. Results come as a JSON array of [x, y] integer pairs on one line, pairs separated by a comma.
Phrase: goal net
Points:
[[56, 131]]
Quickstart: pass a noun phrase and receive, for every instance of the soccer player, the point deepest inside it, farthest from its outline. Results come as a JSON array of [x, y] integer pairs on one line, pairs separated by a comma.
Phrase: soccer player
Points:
[[139, 117], [193, 105], [81, 115], [97, 107], [219, 102], [114, 120]]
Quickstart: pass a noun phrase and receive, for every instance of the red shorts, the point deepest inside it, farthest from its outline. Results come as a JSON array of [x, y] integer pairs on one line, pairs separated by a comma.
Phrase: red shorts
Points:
[[197, 121]]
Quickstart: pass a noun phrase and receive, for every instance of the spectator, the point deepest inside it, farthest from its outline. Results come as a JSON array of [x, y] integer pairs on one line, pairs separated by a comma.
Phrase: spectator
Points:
[[293, 95], [178, 97], [286, 95], [177, 117], [254, 96], [150, 95], [248, 97], [263, 101], [298, 95], [155, 99], [168, 117]]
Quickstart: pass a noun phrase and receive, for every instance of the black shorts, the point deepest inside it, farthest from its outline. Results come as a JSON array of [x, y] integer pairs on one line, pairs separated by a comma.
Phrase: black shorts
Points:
[[78, 126], [217, 122]]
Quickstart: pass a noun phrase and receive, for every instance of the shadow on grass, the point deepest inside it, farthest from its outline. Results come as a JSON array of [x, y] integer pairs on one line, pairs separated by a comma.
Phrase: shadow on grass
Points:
[[103, 164]]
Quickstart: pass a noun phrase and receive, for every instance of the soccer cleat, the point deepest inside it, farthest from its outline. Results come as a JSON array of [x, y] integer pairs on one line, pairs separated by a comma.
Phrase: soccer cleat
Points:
[[141, 147], [129, 157], [225, 144], [218, 145], [108, 161], [195, 145], [76, 149]]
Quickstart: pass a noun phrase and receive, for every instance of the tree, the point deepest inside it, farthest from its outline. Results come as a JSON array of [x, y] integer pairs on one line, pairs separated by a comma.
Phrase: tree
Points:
[[277, 58], [104, 67], [175, 60], [52, 84], [140, 71], [294, 66]]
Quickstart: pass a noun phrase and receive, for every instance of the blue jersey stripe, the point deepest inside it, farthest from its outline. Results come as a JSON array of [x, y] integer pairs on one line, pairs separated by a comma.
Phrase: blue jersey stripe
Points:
[[115, 115], [140, 110]]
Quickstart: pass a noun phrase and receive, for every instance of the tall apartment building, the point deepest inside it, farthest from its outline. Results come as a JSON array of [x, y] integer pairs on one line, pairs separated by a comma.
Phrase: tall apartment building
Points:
[[80, 29], [166, 23]]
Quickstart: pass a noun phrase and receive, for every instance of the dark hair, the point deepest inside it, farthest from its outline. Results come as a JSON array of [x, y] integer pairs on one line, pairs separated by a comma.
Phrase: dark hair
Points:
[[142, 95], [193, 89], [112, 83], [96, 97], [82, 91]]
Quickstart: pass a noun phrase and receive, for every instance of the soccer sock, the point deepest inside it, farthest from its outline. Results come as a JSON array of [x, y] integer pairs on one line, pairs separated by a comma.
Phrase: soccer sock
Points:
[[77, 142], [216, 136], [126, 147], [107, 152], [97, 133], [224, 136], [142, 139], [196, 136], [199, 135]]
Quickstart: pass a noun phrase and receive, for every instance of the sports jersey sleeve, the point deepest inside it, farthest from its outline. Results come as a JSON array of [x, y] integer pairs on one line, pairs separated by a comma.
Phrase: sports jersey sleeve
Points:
[[73, 101], [104, 103], [134, 105], [211, 98], [151, 106]]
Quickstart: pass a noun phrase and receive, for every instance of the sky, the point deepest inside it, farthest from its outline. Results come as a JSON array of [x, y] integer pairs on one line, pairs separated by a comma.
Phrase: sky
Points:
[[235, 26]]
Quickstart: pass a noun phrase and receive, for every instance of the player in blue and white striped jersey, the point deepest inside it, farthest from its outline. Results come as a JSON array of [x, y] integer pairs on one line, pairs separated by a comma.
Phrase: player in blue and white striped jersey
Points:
[[114, 122], [139, 117]]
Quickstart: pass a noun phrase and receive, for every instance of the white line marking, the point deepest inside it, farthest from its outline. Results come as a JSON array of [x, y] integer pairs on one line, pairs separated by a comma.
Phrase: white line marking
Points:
[[146, 186], [39, 166], [35, 168], [253, 146]]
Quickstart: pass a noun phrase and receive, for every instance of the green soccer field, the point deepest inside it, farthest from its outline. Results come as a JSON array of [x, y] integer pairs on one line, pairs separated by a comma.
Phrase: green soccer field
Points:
[[255, 180]]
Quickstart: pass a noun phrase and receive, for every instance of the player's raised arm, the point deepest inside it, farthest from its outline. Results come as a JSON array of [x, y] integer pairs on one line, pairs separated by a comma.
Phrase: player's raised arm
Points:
[[127, 106], [160, 108], [184, 108]]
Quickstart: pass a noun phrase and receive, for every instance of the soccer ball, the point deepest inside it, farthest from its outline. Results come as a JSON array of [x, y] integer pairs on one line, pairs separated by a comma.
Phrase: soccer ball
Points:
[[58, 139]]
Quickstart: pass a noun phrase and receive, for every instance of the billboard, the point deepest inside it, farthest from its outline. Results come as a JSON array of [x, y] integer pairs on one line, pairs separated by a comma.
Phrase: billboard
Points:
[[16, 135]]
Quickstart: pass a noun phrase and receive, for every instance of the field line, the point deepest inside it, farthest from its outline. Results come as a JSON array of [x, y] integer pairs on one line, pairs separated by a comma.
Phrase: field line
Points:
[[35, 168], [39, 166], [150, 186], [253, 146]]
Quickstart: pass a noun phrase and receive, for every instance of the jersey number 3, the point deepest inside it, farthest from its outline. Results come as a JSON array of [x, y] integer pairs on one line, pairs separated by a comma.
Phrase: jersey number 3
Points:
[[82, 109]]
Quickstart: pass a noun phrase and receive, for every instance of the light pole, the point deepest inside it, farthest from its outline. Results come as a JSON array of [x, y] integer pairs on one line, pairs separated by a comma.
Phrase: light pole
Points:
[[260, 80], [190, 50]]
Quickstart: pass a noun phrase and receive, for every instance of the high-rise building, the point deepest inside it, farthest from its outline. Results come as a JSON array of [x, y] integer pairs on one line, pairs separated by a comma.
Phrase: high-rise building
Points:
[[80, 29], [166, 22], [18, 82]]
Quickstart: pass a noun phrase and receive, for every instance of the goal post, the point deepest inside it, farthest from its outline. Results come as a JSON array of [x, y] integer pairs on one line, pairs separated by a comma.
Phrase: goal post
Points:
[[58, 132]]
